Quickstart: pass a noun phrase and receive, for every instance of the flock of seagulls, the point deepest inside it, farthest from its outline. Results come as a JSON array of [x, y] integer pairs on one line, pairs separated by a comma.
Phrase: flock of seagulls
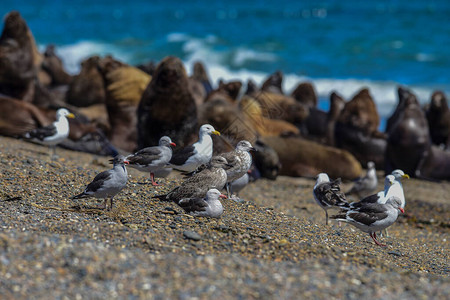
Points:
[[373, 213], [199, 195]]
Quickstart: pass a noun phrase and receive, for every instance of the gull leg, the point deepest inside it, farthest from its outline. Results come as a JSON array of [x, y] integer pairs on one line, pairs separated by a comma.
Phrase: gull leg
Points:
[[53, 150], [152, 177], [326, 217], [111, 206], [373, 235], [228, 190]]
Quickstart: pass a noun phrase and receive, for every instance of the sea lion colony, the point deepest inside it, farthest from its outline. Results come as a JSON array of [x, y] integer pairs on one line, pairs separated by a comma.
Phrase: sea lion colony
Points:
[[123, 108]]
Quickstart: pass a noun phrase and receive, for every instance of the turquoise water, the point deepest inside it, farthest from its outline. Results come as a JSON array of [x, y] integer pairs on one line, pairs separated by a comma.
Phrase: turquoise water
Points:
[[339, 45]]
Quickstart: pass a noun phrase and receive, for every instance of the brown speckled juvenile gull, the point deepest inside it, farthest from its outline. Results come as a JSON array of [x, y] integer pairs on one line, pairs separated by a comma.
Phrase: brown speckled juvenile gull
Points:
[[152, 159], [213, 176], [373, 217], [240, 161], [208, 206], [328, 193], [107, 183]]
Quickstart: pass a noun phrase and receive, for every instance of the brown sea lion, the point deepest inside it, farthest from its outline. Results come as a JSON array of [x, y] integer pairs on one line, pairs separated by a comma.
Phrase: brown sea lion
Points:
[[438, 116], [228, 120], [281, 107], [19, 117], [228, 91], [252, 110], [167, 106], [356, 130], [435, 165], [252, 87], [302, 158], [305, 94], [17, 65], [53, 65], [361, 113], [408, 137], [200, 74], [403, 95], [274, 83], [266, 160], [337, 104], [88, 87], [148, 67], [124, 86]]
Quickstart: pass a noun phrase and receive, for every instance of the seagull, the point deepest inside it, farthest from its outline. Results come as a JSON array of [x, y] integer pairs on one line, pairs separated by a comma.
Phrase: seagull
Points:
[[240, 183], [328, 194], [53, 134], [107, 183], [392, 187], [240, 161], [209, 206], [213, 176], [367, 184], [191, 157], [399, 175], [373, 217], [152, 159]]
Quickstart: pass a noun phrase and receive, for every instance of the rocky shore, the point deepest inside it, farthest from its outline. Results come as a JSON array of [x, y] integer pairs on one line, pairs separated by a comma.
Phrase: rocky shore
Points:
[[273, 245]]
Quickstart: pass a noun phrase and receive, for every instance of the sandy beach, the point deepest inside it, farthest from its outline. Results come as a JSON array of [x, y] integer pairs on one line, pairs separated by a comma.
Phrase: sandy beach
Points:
[[274, 245]]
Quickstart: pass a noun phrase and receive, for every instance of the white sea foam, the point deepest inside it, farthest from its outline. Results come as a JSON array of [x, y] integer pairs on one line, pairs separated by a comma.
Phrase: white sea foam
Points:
[[221, 66], [73, 54]]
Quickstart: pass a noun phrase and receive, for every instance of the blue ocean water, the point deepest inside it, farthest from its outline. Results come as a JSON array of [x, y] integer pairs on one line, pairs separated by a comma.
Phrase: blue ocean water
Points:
[[339, 45]]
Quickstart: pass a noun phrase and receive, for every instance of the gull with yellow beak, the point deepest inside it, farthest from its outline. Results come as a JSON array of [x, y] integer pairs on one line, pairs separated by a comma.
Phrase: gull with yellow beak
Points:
[[53, 134], [189, 158]]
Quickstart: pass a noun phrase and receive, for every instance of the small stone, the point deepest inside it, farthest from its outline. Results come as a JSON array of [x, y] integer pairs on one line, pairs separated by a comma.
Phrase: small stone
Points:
[[396, 253], [191, 235]]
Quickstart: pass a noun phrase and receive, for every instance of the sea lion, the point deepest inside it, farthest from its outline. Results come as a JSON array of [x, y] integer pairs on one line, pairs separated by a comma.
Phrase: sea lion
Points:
[[305, 94], [200, 74], [228, 91], [337, 104], [252, 110], [124, 86], [403, 95], [17, 65], [438, 116], [19, 117], [361, 113], [53, 65], [88, 87], [302, 158], [356, 130], [435, 165], [281, 107], [252, 87], [228, 120], [408, 137], [273, 83], [266, 160], [167, 106]]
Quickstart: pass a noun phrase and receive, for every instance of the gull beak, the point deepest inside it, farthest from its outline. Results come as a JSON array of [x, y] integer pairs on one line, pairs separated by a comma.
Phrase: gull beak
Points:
[[216, 132], [253, 149], [222, 196], [405, 176], [70, 116], [402, 210], [173, 144], [126, 162]]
